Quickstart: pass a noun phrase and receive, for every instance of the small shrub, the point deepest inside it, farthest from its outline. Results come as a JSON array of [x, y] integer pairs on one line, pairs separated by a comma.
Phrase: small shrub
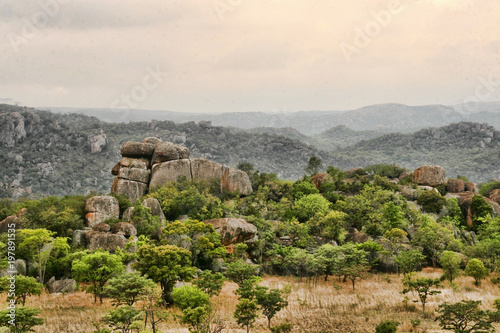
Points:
[[387, 326], [282, 328]]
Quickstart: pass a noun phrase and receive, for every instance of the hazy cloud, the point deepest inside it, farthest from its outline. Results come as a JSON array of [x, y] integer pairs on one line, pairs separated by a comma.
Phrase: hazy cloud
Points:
[[263, 55]]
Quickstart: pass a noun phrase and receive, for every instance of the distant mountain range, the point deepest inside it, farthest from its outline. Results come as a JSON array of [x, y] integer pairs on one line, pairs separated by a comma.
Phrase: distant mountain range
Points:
[[383, 117], [47, 153]]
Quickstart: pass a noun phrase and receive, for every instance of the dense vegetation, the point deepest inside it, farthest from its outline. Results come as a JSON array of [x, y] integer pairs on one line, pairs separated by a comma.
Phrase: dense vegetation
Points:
[[343, 229]]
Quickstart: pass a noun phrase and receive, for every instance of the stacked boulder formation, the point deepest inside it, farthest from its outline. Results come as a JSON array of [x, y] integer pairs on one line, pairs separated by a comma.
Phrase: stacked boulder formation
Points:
[[153, 163]]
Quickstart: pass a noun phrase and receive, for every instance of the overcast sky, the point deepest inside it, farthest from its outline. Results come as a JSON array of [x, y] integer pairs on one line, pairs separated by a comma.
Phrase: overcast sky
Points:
[[248, 55]]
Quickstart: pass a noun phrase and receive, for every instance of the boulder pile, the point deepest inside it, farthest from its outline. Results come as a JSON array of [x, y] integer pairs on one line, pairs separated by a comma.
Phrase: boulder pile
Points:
[[153, 163]]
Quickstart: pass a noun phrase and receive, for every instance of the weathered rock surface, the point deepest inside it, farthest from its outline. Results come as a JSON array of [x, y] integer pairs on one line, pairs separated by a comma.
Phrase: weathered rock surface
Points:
[[137, 149], [233, 230], [320, 178], [11, 222], [205, 169], [234, 180], [100, 208], [140, 163], [168, 151], [79, 238], [105, 241], [124, 228], [456, 185], [495, 196], [162, 173], [131, 189], [134, 174], [61, 286], [102, 227], [430, 175], [19, 269], [127, 214], [152, 140], [471, 187], [155, 207]]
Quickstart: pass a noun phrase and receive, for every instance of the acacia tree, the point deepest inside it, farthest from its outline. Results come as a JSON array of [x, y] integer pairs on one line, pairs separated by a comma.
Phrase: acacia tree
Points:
[[353, 263], [465, 317], [271, 303], [165, 264], [128, 288], [246, 313], [476, 269], [422, 286], [25, 286], [450, 261], [313, 165], [97, 268]]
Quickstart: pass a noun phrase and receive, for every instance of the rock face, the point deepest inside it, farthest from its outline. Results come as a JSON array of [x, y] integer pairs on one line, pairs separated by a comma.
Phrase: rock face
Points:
[[100, 208], [170, 171], [105, 241], [319, 179], [10, 222], [155, 207], [153, 163], [19, 269], [234, 180], [471, 187], [61, 286], [233, 230], [429, 175], [495, 196], [124, 228], [456, 185]]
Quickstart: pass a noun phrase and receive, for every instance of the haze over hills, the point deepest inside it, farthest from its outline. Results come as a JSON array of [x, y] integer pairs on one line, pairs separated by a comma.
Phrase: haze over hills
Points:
[[381, 117], [50, 153]]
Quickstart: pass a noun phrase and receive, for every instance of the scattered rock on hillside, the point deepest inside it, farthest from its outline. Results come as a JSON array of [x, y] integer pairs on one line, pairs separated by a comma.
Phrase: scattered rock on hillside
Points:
[[105, 241], [233, 230], [456, 185], [234, 180], [61, 286], [137, 149], [124, 228], [100, 208], [471, 187], [320, 178], [155, 207], [430, 175]]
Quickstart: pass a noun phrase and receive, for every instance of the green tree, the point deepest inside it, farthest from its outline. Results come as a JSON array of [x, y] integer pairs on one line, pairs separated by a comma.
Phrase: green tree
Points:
[[122, 318], [466, 317], [421, 286], [475, 268], [210, 283], [97, 268], [393, 216], [238, 271], [307, 206], [408, 261], [328, 257], [394, 239], [434, 238], [431, 201], [126, 289], [165, 264], [314, 165], [199, 238], [25, 286], [25, 319], [38, 243], [302, 188], [353, 263], [450, 261], [246, 313], [271, 303], [190, 297], [332, 225]]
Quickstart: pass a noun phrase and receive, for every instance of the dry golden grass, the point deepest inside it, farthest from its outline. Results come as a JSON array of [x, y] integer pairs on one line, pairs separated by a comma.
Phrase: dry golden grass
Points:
[[320, 309]]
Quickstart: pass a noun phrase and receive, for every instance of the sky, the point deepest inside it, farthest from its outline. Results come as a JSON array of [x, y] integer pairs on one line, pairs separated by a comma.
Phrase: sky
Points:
[[248, 55]]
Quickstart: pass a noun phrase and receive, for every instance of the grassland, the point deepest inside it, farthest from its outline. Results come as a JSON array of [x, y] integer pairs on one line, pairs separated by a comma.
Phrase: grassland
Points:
[[324, 307]]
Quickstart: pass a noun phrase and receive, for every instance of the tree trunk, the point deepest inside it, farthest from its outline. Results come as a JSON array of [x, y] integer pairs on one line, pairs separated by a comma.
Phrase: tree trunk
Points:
[[353, 282], [167, 289]]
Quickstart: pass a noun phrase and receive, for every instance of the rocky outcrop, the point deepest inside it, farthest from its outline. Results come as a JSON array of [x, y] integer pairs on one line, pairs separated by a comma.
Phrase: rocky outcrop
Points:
[[61, 286], [455, 185], [320, 178], [429, 175], [100, 208], [236, 181], [495, 196], [471, 187], [155, 207], [125, 228], [233, 230], [10, 222], [153, 163], [104, 240], [202, 169], [19, 268], [170, 171], [98, 142], [102, 227]]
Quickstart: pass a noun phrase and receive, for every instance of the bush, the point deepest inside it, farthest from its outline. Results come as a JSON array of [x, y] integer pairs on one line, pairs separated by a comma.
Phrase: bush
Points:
[[190, 297], [307, 206], [387, 326], [431, 201]]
